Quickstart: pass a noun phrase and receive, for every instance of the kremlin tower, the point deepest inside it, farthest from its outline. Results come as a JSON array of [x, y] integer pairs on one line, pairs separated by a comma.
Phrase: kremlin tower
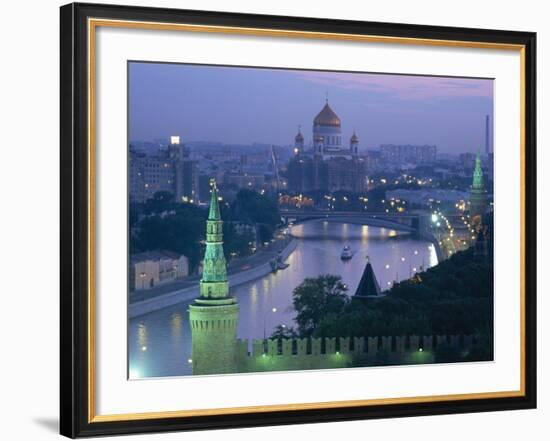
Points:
[[478, 194], [214, 314]]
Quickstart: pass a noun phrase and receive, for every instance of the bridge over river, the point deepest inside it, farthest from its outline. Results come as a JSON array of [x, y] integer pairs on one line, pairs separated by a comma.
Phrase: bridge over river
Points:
[[410, 223], [417, 223]]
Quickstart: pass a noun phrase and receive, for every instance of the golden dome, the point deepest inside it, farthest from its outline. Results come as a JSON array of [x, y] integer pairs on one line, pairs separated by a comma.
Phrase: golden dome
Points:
[[327, 117], [299, 137], [354, 138]]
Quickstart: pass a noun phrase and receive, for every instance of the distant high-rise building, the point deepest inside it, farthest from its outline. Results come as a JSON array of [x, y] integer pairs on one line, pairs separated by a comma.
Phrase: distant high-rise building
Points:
[[408, 154], [247, 180], [373, 159], [168, 169]]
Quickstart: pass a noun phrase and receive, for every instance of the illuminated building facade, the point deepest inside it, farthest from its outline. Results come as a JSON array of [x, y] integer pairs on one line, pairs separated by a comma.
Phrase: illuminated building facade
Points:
[[168, 169], [408, 154], [153, 268]]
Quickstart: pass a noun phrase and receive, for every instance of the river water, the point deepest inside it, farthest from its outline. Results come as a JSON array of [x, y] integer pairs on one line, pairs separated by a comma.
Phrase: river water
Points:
[[160, 342]]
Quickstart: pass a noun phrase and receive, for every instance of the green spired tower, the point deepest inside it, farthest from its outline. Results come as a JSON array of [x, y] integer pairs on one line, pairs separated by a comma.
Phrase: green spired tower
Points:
[[478, 194], [214, 314]]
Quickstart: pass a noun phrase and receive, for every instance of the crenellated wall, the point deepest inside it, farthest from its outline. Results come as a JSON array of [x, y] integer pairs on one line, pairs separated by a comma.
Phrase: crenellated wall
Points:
[[329, 353]]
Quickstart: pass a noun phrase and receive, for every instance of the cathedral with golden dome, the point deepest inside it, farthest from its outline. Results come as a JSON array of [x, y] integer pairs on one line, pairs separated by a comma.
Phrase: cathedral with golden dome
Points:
[[327, 137], [327, 164]]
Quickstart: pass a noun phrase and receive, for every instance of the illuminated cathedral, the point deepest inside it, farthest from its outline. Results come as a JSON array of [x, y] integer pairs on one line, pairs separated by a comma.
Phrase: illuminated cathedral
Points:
[[327, 164]]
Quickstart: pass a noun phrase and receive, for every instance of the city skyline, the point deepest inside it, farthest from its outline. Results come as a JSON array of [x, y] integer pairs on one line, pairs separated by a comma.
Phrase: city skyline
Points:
[[358, 244], [234, 105]]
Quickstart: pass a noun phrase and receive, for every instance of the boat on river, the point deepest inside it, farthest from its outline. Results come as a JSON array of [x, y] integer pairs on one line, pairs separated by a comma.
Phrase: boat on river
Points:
[[346, 253]]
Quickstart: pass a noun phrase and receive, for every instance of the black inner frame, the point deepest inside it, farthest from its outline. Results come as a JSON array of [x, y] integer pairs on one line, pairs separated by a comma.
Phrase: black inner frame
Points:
[[74, 220]]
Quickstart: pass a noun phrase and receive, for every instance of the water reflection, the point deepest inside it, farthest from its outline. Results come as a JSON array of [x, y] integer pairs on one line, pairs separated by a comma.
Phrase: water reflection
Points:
[[142, 336], [267, 302], [177, 328]]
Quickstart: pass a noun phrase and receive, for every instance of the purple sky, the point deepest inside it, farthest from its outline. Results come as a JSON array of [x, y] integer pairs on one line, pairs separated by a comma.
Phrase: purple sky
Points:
[[246, 105]]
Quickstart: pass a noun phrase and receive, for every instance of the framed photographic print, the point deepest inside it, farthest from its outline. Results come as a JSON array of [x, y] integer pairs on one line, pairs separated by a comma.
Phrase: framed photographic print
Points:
[[274, 220]]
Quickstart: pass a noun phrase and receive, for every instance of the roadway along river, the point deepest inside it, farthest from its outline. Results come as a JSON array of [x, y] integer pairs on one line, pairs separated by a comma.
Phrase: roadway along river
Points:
[[160, 341]]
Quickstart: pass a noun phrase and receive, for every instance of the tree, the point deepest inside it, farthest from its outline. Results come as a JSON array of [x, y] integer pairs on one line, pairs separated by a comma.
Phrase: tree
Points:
[[282, 331], [376, 196], [317, 298], [160, 202], [180, 232], [135, 211], [254, 208], [235, 243], [265, 233]]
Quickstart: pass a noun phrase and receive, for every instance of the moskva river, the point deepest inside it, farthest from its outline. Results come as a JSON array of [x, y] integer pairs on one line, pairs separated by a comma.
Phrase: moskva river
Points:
[[160, 341]]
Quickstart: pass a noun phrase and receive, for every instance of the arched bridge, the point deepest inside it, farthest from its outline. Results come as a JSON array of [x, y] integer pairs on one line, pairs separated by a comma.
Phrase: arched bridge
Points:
[[401, 222]]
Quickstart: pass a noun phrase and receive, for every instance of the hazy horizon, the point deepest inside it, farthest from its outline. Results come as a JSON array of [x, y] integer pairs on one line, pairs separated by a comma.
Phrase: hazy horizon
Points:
[[240, 105]]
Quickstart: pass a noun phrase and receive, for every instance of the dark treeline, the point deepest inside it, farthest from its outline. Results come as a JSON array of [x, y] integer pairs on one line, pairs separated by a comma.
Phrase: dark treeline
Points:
[[162, 224], [455, 297]]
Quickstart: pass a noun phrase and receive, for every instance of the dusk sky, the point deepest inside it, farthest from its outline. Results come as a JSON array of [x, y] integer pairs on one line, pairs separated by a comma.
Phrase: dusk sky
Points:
[[245, 105]]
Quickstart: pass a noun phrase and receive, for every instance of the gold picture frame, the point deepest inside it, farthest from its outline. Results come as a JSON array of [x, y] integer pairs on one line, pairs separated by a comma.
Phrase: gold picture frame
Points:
[[78, 102]]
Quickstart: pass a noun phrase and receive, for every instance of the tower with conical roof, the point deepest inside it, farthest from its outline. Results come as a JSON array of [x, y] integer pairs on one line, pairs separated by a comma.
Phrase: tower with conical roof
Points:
[[368, 285], [214, 314], [478, 193]]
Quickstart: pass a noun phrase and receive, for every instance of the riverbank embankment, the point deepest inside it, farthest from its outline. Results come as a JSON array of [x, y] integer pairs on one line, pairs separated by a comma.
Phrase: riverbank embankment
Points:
[[187, 293]]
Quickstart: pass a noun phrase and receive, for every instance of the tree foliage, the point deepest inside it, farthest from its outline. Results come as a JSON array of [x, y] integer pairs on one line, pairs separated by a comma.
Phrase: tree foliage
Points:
[[180, 231], [454, 297], [254, 208], [162, 224], [316, 299], [235, 243], [281, 332]]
